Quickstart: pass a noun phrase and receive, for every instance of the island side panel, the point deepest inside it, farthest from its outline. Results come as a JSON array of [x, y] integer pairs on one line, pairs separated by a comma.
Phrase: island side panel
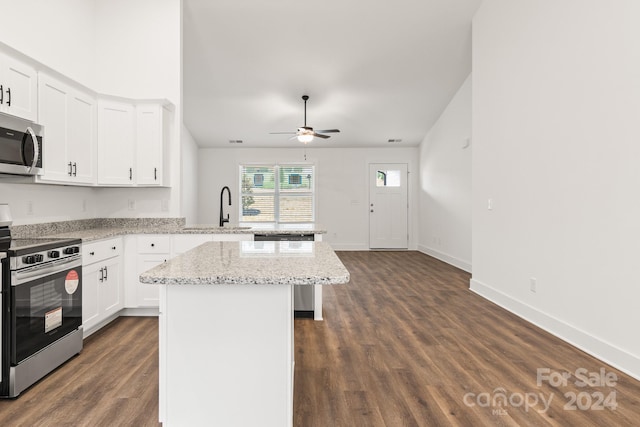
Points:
[[317, 291], [227, 355]]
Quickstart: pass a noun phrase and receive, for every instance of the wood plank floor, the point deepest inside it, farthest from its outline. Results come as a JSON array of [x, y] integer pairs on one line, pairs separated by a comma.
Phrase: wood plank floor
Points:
[[401, 345]]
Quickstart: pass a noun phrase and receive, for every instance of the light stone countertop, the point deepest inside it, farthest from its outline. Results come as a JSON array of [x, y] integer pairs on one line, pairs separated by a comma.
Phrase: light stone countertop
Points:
[[98, 229], [252, 263]]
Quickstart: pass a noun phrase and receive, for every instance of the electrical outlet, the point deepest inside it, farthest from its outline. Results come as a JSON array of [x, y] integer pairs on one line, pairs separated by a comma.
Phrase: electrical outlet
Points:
[[131, 205], [29, 207], [532, 284], [164, 205], [84, 205]]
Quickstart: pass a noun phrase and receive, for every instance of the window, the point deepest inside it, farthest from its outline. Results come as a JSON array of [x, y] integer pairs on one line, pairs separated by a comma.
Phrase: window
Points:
[[388, 178], [277, 193]]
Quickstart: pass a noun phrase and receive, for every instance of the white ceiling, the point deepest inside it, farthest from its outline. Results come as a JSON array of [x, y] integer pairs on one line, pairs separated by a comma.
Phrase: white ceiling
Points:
[[377, 70]]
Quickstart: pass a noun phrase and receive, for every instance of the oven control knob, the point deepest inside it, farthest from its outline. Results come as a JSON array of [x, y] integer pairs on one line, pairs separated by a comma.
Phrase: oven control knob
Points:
[[29, 259], [71, 250], [38, 257], [54, 254]]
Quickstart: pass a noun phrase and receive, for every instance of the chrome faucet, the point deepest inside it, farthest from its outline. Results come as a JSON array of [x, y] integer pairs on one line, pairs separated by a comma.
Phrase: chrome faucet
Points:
[[222, 218]]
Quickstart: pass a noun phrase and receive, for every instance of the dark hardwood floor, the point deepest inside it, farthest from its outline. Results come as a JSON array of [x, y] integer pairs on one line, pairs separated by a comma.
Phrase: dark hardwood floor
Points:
[[113, 382], [405, 343]]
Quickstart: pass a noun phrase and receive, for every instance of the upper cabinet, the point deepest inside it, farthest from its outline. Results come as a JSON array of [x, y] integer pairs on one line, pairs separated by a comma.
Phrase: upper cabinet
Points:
[[152, 144], [133, 139], [116, 139], [68, 115], [89, 139], [18, 88]]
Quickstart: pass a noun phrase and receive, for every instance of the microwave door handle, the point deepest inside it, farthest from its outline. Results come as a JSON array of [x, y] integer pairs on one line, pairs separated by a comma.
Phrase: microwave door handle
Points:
[[36, 148]]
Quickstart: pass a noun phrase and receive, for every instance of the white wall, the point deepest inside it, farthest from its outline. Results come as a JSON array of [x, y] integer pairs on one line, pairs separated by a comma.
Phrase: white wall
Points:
[[31, 204], [63, 39], [556, 103], [342, 185], [128, 48], [57, 33], [189, 193], [445, 184], [138, 56]]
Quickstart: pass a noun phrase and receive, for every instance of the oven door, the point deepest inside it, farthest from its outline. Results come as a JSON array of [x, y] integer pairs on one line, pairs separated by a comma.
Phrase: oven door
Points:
[[45, 305]]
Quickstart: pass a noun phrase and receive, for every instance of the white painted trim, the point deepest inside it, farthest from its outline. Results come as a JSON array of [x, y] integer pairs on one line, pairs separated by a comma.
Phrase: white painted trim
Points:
[[463, 265], [606, 352], [140, 312], [349, 246]]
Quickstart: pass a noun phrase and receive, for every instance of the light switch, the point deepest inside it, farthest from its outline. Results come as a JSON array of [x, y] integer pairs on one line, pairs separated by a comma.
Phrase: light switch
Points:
[[490, 204]]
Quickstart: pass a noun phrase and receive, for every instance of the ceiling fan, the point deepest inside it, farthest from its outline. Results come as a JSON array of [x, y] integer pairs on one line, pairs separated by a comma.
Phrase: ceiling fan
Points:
[[306, 133]]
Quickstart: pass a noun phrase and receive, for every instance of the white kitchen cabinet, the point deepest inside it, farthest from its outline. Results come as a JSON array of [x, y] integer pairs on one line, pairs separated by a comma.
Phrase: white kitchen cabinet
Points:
[[18, 88], [153, 130], [102, 292], [133, 143], [68, 115], [151, 250], [116, 139]]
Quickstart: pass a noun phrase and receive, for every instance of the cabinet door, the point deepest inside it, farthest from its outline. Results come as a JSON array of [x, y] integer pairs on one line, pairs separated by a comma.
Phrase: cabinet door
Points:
[[53, 114], [20, 88], [149, 144], [111, 291], [149, 295], [90, 295], [116, 138], [81, 137]]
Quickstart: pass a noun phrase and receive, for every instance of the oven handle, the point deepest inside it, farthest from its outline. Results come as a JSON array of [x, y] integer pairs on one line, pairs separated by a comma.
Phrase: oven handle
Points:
[[26, 275]]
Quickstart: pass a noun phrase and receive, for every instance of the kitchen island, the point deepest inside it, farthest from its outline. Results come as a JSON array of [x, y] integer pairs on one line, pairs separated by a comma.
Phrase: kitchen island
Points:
[[226, 329]]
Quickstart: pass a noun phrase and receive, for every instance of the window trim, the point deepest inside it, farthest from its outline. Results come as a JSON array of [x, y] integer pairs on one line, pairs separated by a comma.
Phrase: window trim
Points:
[[276, 191]]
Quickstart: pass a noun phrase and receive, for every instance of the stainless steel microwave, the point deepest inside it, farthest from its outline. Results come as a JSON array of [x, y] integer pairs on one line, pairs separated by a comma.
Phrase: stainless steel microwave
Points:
[[20, 146]]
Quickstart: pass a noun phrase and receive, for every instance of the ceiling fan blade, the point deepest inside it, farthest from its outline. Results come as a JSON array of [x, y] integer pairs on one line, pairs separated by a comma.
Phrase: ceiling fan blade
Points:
[[328, 131], [320, 135], [282, 133]]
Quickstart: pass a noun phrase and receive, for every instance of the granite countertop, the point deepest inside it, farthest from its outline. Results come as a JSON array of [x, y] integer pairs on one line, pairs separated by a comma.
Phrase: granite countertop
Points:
[[252, 263], [104, 228]]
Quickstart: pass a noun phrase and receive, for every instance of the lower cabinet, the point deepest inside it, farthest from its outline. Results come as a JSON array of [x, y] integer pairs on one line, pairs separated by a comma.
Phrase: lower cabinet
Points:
[[103, 292], [143, 253]]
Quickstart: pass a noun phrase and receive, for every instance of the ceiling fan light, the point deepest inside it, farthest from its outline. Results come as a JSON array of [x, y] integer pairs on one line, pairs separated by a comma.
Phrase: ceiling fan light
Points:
[[305, 137]]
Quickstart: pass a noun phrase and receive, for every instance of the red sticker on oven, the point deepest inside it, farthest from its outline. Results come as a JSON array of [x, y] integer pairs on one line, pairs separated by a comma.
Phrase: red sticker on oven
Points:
[[71, 282]]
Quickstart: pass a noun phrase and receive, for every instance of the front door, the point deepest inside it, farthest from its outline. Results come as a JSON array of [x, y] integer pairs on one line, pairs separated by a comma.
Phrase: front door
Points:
[[388, 206]]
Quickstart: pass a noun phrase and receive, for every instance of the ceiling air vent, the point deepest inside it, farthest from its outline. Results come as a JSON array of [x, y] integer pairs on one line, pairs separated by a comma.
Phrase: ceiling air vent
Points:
[[235, 141], [394, 140]]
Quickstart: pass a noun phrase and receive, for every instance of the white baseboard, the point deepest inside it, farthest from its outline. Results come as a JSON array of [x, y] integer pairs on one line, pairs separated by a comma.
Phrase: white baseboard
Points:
[[462, 265], [140, 312], [348, 247], [608, 353]]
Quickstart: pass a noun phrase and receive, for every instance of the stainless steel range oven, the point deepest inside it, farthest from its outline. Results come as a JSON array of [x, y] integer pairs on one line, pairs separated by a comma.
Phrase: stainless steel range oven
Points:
[[42, 310]]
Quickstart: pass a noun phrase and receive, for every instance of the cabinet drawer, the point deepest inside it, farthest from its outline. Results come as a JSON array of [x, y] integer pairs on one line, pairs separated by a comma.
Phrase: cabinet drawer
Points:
[[101, 250], [154, 244]]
